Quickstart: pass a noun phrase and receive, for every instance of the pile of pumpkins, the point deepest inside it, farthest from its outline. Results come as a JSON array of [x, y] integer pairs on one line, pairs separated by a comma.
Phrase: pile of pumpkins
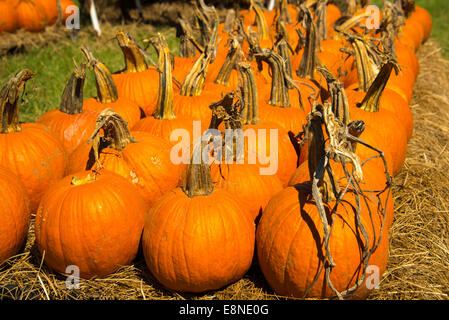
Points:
[[32, 15], [100, 176]]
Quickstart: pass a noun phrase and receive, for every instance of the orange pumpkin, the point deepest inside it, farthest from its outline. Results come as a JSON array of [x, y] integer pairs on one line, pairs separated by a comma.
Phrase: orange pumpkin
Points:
[[35, 155], [15, 214], [107, 95], [31, 15], [137, 82], [190, 221], [164, 121], [292, 248], [143, 159], [50, 8], [96, 220], [9, 18]]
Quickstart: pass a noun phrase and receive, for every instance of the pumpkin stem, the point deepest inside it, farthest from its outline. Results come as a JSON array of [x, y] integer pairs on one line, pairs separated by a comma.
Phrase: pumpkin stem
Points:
[[72, 96], [321, 23], [339, 100], [106, 89], [234, 55], [261, 22], [371, 101], [248, 89], [230, 21], [367, 68], [198, 180], [9, 101], [111, 131], [309, 59], [284, 15], [134, 59], [229, 112], [284, 49], [221, 110], [279, 95], [164, 108], [194, 81], [317, 153], [186, 48]]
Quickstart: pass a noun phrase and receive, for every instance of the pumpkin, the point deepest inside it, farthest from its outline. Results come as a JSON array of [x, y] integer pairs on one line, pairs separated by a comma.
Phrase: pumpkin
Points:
[[192, 102], [70, 123], [30, 151], [164, 121], [50, 8], [8, 20], [15, 214], [287, 158], [141, 158], [31, 15], [280, 109], [65, 5], [422, 17], [137, 82], [295, 253], [94, 220], [107, 95], [392, 136], [192, 220]]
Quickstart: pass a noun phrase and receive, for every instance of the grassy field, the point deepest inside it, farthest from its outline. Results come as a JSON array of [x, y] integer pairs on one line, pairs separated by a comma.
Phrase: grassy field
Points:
[[54, 63]]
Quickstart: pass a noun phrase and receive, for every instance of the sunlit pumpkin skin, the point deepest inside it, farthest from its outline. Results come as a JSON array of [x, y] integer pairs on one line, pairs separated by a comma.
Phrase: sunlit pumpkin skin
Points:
[[390, 101], [179, 231], [65, 7], [146, 163], [245, 183], [126, 108], [50, 8], [31, 16], [290, 246], [422, 16], [72, 130], [36, 156], [93, 221], [15, 214], [8, 20], [30, 151]]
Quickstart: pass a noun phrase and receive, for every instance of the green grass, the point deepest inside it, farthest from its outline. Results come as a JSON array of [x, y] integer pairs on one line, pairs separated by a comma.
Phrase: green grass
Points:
[[53, 64]]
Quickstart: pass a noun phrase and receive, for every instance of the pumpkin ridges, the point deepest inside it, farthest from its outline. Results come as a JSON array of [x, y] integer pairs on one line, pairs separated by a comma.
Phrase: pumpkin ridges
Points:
[[106, 245], [31, 15], [14, 214]]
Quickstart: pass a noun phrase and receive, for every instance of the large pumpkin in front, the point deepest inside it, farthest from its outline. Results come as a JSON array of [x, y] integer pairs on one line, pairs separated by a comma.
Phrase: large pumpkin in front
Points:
[[93, 220], [198, 238]]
